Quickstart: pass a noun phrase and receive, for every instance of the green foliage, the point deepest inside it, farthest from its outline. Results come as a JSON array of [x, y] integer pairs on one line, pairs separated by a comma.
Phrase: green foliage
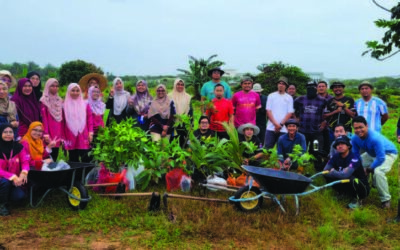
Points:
[[270, 74], [303, 159], [197, 74], [73, 71]]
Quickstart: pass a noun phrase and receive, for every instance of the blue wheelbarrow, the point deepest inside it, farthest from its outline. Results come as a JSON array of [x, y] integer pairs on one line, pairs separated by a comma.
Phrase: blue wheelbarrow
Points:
[[275, 182]]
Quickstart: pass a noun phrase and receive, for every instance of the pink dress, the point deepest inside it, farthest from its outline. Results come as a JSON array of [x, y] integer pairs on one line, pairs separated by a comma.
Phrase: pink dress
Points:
[[37, 163], [80, 141], [14, 166], [245, 105], [52, 127]]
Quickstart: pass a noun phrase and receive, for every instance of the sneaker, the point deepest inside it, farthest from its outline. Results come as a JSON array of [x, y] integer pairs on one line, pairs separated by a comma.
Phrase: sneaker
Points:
[[354, 204], [3, 210], [385, 204]]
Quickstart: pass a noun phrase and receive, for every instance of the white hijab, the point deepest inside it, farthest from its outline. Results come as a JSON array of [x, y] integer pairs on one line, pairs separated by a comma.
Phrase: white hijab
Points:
[[181, 99], [120, 97]]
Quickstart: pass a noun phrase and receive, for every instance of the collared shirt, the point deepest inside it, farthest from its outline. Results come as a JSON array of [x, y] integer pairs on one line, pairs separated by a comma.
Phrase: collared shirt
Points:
[[208, 90], [221, 112], [285, 145], [246, 105], [310, 112], [372, 111]]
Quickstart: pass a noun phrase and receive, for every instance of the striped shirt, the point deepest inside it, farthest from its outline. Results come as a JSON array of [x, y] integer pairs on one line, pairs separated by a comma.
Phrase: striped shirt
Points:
[[372, 112]]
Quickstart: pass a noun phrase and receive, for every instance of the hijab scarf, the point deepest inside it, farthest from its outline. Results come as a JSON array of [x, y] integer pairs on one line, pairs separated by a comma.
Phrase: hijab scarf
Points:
[[120, 97], [75, 111], [27, 105], [98, 107], [7, 146], [52, 102], [181, 99], [7, 108], [38, 88], [160, 105], [36, 147], [142, 100]]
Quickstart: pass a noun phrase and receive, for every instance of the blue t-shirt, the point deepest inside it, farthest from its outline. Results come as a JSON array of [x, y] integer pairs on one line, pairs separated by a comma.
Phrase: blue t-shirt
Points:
[[375, 144], [285, 145], [208, 90]]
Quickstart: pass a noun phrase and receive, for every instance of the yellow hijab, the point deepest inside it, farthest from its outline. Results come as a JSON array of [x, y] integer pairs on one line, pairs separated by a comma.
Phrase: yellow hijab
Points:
[[36, 147]]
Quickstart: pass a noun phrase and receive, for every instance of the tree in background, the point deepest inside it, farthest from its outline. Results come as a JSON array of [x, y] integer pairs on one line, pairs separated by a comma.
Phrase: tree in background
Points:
[[197, 74], [72, 71], [270, 74], [391, 39]]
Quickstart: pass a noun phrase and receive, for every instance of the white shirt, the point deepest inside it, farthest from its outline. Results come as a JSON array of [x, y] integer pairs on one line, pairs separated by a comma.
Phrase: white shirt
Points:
[[280, 105]]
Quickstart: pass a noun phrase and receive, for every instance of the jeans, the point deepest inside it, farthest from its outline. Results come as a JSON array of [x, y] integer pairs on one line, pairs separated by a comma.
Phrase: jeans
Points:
[[271, 138], [9, 192]]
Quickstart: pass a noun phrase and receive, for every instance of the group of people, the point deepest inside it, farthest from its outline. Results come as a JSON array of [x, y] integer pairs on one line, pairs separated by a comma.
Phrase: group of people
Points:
[[35, 124]]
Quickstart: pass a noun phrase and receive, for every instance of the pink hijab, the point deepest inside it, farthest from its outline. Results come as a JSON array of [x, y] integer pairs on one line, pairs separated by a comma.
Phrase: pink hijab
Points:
[[98, 107], [75, 111], [53, 103]]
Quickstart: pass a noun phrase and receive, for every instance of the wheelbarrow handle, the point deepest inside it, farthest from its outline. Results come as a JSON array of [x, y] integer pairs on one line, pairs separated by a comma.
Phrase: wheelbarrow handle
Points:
[[346, 181]]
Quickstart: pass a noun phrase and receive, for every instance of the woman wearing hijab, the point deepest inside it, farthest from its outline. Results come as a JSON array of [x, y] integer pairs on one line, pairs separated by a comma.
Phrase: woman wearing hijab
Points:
[[34, 78], [117, 101], [161, 114], [33, 144], [14, 167], [8, 111], [183, 107], [139, 104], [78, 132], [98, 107], [52, 115], [28, 107]]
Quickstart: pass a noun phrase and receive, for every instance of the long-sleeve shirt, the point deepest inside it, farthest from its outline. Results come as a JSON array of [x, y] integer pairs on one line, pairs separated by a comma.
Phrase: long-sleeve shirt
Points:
[[157, 122], [11, 168], [37, 163], [285, 145], [52, 127], [81, 140], [376, 145]]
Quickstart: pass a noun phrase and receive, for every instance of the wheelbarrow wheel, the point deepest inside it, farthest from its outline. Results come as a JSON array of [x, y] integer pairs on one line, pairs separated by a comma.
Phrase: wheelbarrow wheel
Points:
[[78, 190], [248, 206]]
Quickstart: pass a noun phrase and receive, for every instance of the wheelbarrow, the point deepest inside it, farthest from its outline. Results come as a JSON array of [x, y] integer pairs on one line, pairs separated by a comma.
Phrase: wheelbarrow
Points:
[[70, 181], [275, 182]]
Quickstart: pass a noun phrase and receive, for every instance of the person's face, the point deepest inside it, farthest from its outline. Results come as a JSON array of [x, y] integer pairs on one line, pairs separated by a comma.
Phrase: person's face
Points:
[[342, 148], [321, 88], [365, 91], [7, 80], [281, 87], [216, 75], [180, 86], [291, 128], [291, 90], [27, 88], [3, 91], [360, 129], [118, 86], [141, 88], [204, 124], [160, 92], [339, 131], [93, 82], [54, 88], [219, 92], [75, 93], [35, 80], [8, 134], [248, 132], [95, 93], [338, 90], [247, 86], [37, 132]]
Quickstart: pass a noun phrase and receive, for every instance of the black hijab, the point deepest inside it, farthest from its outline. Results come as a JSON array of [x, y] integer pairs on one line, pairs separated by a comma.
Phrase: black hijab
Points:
[[7, 146], [37, 89]]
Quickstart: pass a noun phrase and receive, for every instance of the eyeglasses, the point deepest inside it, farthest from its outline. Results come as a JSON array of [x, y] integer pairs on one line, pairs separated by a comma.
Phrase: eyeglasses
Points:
[[37, 130], [203, 122], [6, 80]]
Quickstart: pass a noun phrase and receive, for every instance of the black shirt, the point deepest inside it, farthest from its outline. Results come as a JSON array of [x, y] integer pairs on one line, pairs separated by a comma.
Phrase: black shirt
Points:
[[341, 117]]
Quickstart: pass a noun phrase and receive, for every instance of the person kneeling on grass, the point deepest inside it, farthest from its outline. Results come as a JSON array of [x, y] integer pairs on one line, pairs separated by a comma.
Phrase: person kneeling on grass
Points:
[[248, 133], [347, 165]]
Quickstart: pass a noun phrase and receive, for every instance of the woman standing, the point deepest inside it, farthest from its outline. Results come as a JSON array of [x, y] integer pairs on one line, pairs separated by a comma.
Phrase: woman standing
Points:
[[27, 106], [78, 125], [8, 111], [97, 107], [14, 167], [161, 114], [139, 104], [183, 107], [34, 78], [117, 101], [52, 115]]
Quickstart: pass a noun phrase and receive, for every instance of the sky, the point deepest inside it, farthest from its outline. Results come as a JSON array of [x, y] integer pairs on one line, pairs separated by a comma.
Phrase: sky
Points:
[[155, 37]]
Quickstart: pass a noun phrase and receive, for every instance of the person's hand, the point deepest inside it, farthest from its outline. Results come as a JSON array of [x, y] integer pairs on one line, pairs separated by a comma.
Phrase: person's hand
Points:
[[278, 128], [17, 182], [90, 137], [46, 139], [23, 177], [14, 124], [53, 143], [398, 139], [165, 127], [130, 102], [246, 161], [145, 116], [323, 125], [164, 133], [112, 92], [369, 170], [47, 161], [339, 109]]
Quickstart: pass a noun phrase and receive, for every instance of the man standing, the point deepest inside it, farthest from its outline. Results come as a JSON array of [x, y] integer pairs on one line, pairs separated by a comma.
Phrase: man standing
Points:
[[309, 110], [245, 102], [347, 165], [291, 90], [322, 90], [340, 108], [378, 158], [261, 116], [279, 110], [372, 108], [207, 91]]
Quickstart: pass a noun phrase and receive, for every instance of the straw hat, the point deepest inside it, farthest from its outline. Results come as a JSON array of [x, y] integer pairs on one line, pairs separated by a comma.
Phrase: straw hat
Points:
[[249, 125], [83, 82], [8, 73]]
